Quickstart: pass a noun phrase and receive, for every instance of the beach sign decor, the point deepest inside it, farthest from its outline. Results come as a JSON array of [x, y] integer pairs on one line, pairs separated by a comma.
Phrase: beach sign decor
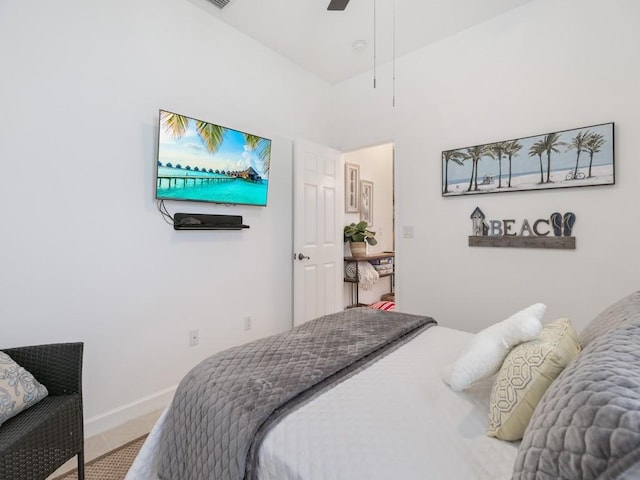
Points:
[[580, 157], [554, 231]]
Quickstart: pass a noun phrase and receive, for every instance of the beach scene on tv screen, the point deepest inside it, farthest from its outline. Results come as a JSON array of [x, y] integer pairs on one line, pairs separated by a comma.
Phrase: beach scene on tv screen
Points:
[[202, 161]]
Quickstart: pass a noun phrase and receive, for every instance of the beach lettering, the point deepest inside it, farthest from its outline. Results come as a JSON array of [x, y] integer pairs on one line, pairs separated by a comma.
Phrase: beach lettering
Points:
[[559, 224], [505, 228]]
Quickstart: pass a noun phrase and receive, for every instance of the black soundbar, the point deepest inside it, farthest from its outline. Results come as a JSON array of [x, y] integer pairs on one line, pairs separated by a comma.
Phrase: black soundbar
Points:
[[200, 221]]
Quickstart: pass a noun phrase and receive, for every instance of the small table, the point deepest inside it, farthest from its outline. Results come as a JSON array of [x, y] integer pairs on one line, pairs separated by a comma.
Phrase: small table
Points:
[[374, 258]]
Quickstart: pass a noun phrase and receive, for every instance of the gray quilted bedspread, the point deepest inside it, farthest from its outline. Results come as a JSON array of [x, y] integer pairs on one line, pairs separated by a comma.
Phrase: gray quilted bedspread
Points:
[[222, 408]]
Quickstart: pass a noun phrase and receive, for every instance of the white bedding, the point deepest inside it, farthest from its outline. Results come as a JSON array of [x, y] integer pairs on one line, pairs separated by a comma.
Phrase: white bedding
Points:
[[396, 419]]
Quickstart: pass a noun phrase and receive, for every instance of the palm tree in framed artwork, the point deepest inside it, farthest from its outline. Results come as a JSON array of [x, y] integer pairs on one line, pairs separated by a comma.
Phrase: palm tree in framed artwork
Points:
[[512, 148], [496, 151], [579, 144], [475, 154], [551, 144], [538, 149], [455, 156], [593, 144]]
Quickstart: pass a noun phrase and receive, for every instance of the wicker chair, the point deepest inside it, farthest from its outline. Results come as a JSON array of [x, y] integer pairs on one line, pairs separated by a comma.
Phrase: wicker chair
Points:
[[38, 440]]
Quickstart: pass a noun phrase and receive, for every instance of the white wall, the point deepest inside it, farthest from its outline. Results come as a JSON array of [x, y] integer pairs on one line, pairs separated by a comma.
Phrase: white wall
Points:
[[84, 254], [549, 65], [376, 165]]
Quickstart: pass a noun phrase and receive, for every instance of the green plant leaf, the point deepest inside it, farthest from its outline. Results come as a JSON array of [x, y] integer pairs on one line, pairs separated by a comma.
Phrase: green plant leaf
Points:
[[359, 233]]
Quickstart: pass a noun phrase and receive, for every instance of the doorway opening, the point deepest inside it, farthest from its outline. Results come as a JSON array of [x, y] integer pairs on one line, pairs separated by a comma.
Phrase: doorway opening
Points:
[[376, 199]]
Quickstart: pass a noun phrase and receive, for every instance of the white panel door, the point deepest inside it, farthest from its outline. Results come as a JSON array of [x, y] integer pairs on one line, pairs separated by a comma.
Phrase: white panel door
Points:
[[317, 231]]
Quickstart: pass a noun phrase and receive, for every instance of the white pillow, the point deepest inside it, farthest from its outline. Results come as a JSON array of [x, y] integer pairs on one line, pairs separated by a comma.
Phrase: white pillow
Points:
[[488, 349]]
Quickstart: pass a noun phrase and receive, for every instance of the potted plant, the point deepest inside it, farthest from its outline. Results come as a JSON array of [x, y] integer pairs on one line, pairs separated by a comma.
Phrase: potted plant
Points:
[[358, 235]]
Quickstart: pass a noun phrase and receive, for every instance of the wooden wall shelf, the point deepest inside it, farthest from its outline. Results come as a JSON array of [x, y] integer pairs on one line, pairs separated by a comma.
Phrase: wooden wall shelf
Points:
[[199, 221], [566, 243]]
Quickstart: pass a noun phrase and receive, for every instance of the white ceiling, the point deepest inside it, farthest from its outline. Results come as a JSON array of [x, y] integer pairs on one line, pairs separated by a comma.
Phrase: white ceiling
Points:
[[322, 41]]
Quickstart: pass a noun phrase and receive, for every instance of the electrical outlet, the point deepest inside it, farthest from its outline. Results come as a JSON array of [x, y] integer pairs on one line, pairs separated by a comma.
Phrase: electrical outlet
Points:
[[247, 322], [194, 338], [408, 231]]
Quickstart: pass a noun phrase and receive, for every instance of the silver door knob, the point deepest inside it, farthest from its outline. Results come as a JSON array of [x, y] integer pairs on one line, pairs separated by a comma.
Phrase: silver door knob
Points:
[[303, 257]]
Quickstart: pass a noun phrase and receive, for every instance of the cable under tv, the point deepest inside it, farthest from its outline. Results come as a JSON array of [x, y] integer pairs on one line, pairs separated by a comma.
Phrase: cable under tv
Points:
[[199, 221]]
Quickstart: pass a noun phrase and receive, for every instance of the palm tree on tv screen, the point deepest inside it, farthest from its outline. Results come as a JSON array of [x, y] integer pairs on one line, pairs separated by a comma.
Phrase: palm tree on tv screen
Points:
[[262, 147], [177, 125], [212, 135]]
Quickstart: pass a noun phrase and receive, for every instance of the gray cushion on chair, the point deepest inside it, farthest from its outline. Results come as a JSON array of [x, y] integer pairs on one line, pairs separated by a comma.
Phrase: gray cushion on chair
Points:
[[625, 311], [587, 424]]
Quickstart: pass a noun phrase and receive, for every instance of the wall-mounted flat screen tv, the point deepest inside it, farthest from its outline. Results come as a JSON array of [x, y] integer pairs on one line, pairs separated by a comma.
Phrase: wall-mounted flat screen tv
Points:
[[204, 162]]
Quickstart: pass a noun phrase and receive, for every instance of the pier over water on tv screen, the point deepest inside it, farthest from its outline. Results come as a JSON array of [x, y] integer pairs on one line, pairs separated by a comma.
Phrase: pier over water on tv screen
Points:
[[204, 162]]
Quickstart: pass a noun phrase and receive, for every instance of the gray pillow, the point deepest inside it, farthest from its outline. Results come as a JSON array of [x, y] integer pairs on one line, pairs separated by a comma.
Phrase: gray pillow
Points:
[[625, 311], [18, 388], [587, 424]]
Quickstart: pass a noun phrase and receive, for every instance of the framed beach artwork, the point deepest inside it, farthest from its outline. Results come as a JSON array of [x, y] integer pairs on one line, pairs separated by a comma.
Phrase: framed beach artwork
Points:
[[351, 187], [366, 202], [569, 158]]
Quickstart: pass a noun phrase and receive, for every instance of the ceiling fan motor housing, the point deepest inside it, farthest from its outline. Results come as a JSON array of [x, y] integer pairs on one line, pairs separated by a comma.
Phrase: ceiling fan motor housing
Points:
[[338, 4], [220, 3]]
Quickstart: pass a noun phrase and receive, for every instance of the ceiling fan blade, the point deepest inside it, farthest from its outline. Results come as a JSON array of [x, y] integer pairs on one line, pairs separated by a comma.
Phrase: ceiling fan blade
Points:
[[338, 4]]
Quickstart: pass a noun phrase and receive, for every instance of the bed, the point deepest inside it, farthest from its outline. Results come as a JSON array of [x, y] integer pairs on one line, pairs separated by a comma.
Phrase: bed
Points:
[[393, 417]]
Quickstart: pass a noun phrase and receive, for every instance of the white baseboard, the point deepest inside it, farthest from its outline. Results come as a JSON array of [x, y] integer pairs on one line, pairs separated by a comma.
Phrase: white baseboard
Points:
[[121, 415]]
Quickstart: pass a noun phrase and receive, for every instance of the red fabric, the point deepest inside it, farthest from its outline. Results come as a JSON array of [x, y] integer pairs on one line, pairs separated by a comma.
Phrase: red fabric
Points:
[[387, 306]]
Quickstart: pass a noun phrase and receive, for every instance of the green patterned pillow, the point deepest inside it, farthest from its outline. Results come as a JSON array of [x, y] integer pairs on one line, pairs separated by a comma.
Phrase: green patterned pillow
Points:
[[18, 389], [526, 373]]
